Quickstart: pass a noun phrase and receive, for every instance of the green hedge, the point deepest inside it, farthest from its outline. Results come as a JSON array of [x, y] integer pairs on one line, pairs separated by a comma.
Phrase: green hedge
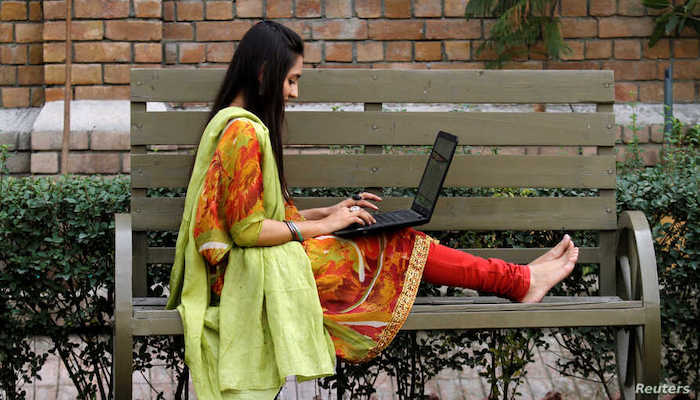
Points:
[[57, 262]]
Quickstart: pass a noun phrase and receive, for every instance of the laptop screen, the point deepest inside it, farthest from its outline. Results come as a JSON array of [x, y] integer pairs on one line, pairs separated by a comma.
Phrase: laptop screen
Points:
[[434, 174]]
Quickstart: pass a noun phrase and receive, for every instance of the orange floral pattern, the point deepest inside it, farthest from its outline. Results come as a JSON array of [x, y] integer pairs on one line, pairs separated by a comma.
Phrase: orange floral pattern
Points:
[[366, 285]]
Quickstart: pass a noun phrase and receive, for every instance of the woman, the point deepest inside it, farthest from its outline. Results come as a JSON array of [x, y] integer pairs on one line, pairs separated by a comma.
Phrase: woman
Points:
[[268, 291]]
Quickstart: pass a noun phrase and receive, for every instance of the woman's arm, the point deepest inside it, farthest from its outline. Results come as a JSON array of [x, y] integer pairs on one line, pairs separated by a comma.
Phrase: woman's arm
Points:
[[313, 214], [275, 232]]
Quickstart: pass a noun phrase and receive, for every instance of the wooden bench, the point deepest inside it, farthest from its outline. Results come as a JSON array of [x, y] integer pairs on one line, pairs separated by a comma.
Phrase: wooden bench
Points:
[[629, 294]]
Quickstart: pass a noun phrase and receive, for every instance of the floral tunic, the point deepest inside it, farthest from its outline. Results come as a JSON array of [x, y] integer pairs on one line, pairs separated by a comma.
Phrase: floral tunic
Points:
[[366, 285]]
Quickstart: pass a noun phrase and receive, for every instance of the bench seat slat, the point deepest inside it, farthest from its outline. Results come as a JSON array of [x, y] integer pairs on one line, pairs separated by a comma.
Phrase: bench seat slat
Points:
[[389, 128], [314, 170], [455, 213], [565, 311], [411, 86]]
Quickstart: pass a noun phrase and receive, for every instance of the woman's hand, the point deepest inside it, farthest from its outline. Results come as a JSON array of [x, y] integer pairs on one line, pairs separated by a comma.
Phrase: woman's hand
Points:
[[344, 216], [362, 202]]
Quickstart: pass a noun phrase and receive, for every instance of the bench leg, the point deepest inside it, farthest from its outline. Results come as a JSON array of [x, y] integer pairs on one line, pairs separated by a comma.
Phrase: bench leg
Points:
[[122, 365]]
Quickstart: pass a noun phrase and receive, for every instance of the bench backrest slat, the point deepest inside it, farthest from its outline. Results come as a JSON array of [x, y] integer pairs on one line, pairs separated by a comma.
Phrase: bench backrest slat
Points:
[[382, 86], [409, 128]]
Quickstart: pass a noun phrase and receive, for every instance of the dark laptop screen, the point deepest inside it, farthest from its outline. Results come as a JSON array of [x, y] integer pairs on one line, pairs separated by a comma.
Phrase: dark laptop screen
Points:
[[434, 174]]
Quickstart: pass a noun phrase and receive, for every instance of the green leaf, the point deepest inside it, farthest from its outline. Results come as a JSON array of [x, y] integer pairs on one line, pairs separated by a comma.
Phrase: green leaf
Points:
[[656, 4], [671, 24]]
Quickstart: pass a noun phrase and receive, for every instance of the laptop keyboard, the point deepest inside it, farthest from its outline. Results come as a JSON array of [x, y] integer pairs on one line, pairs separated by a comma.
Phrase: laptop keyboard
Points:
[[388, 218]]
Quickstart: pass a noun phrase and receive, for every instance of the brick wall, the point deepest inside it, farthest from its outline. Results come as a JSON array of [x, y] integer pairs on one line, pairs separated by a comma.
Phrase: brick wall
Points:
[[21, 58]]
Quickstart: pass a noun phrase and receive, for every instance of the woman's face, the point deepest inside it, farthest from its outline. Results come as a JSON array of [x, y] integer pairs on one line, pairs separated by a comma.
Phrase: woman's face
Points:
[[290, 88]]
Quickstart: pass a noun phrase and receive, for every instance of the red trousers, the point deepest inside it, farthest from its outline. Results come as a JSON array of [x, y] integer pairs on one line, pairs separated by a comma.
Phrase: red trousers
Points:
[[447, 266]]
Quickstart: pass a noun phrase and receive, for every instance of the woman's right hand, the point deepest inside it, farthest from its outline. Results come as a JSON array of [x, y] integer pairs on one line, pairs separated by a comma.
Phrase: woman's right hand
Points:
[[343, 216]]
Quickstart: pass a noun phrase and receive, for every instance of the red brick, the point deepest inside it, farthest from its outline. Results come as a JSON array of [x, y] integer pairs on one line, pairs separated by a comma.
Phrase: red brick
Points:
[[686, 69], [628, 49], [222, 31], [370, 51], [632, 70], [300, 26], [8, 75], [457, 50], [54, 9], [134, 30], [573, 8], [538, 51], [523, 65], [116, 73], [148, 52], [428, 51], [661, 49], [102, 92], [399, 51], [457, 65], [682, 91], [219, 52], [36, 54], [684, 48], [28, 33], [15, 97], [126, 163], [13, 54], [427, 8], [13, 11], [625, 91], [54, 52], [452, 29], [44, 162], [35, 12], [108, 9], [338, 8], [80, 30], [392, 30], [576, 53], [278, 9], [81, 74], [219, 10], [339, 51], [6, 32], [168, 11], [400, 65], [192, 53], [54, 93], [110, 141], [312, 52], [485, 54], [147, 8], [340, 29], [36, 96], [30, 75], [630, 8], [578, 27], [178, 31], [189, 10], [171, 53], [625, 27], [308, 8], [596, 49], [656, 133], [642, 134], [572, 65], [249, 8], [455, 8], [397, 8], [102, 52], [94, 162], [368, 8]]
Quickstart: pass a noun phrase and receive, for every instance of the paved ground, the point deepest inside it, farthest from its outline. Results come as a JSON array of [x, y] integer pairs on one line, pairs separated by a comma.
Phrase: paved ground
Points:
[[449, 385]]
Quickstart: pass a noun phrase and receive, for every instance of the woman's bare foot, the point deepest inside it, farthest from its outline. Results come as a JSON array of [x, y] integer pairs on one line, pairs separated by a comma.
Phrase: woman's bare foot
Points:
[[555, 252], [545, 274]]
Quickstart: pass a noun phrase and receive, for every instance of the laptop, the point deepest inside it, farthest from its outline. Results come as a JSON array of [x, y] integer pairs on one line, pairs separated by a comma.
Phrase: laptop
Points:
[[428, 191]]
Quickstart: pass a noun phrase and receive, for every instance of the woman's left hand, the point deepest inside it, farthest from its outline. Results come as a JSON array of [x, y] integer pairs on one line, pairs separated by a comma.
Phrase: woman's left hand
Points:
[[364, 202]]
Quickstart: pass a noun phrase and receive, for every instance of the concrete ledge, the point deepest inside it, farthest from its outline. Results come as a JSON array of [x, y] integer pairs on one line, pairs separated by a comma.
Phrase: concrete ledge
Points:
[[16, 125]]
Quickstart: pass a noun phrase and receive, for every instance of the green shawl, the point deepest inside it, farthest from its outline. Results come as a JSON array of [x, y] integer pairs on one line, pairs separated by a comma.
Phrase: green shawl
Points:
[[269, 323]]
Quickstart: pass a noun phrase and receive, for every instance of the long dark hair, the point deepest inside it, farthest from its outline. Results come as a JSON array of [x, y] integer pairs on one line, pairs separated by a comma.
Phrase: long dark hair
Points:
[[272, 48]]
